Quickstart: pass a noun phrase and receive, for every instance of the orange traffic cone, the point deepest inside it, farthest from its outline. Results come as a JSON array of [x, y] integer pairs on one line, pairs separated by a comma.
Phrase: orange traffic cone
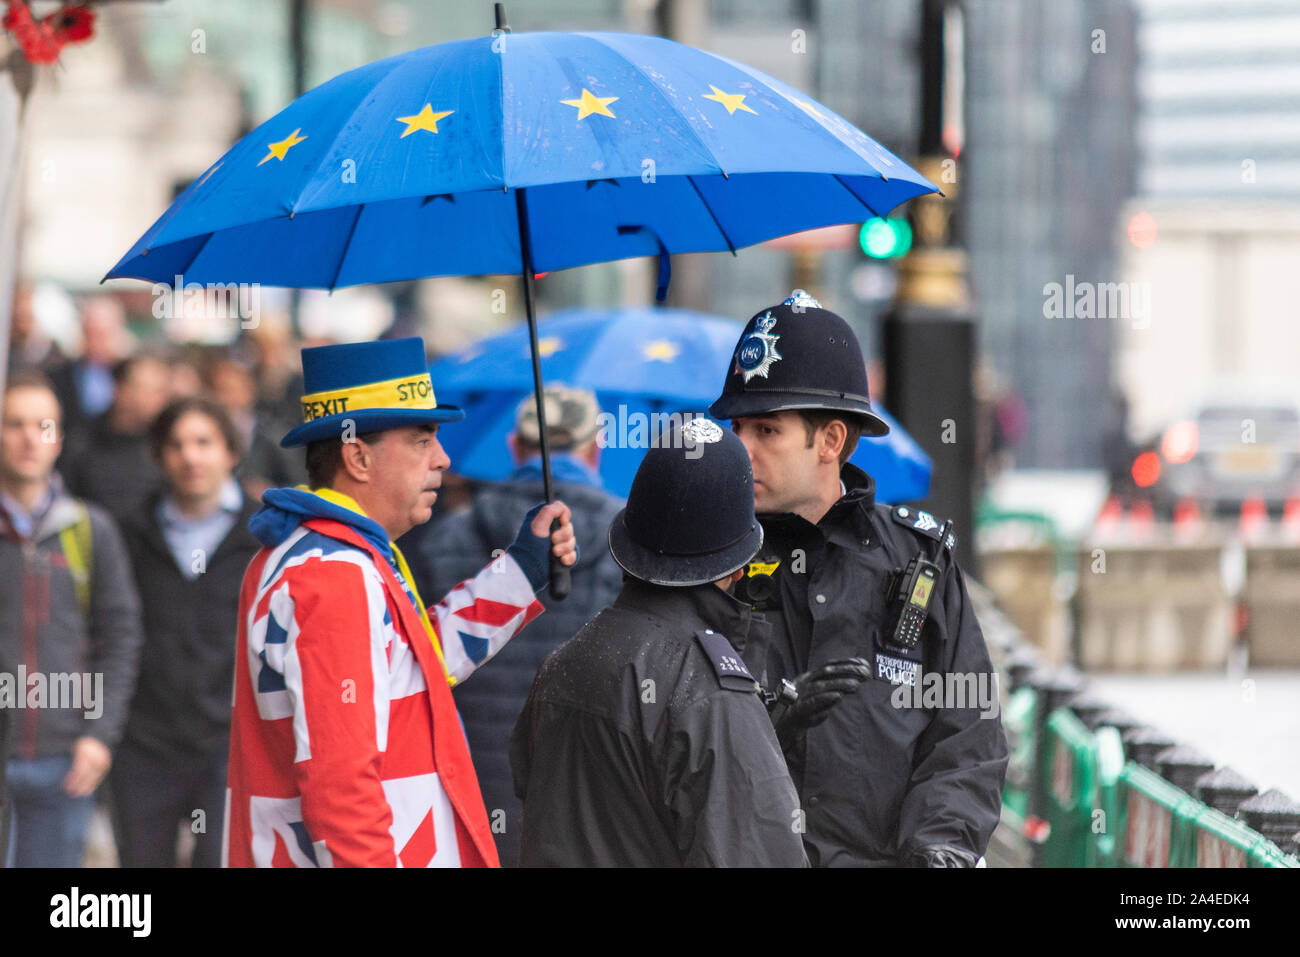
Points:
[[1108, 520], [1254, 519], [1187, 519], [1240, 619], [1141, 520], [1291, 518]]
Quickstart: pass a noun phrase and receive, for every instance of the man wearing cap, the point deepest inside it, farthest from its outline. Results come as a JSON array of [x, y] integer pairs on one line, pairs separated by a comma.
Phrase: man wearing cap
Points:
[[454, 549], [644, 742], [855, 599], [345, 748]]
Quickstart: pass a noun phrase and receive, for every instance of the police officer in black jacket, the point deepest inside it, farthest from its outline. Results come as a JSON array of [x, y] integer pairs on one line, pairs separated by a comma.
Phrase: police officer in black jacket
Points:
[[891, 728], [644, 741]]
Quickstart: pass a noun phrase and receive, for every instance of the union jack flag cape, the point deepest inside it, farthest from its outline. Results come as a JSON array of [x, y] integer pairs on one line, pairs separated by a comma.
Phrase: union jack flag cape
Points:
[[345, 746]]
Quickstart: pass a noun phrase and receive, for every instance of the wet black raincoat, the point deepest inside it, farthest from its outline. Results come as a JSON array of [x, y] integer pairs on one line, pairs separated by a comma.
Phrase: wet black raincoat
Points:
[[644, 743]]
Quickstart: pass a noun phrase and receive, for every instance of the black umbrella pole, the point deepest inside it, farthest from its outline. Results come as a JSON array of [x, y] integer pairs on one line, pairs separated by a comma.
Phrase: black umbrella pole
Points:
[[561, 579]]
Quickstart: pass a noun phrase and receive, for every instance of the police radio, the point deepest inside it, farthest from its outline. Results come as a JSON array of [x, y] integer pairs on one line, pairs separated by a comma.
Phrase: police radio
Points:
[[916, 587], [915, 590]]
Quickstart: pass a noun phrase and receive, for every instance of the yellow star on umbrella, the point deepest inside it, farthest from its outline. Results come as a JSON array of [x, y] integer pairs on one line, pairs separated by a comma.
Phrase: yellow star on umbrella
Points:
[[588, 104], [426, 119], [278, 150], [661, 350], [732, 101], [549, 346]]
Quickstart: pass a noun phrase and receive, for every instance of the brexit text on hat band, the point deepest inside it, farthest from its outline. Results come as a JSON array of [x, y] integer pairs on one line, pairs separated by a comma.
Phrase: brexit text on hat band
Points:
[[405, 392]]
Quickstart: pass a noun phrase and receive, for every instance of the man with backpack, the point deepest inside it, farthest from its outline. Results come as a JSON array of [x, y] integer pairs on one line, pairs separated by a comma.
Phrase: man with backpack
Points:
[[70, 632]]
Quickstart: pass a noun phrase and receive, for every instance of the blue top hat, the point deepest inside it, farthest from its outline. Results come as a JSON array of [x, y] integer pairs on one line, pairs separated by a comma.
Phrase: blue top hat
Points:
[[372, 385]]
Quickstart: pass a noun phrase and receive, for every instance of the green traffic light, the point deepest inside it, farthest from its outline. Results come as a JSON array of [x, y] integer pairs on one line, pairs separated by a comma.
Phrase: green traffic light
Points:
[[885, 238]]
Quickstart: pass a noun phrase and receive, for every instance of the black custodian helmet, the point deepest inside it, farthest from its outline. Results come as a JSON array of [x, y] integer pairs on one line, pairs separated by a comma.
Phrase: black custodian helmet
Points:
[[798, 355], [690, 514]]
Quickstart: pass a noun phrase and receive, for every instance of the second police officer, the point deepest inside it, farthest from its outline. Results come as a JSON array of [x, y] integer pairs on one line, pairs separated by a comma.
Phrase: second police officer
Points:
[[644, 742], [857, 599]]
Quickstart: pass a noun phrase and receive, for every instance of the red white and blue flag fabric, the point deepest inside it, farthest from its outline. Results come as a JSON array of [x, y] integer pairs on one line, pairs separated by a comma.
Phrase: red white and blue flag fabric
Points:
[[346, 749]]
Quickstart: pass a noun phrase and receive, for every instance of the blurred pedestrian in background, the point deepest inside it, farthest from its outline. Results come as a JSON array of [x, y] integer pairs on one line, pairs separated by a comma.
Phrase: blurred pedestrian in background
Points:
[[455, 548], [189, 545], [85, 385], [111, 465], [183, 375], [272, 355], [1117, 449], [264, 465], [71, 621], [30, 347]]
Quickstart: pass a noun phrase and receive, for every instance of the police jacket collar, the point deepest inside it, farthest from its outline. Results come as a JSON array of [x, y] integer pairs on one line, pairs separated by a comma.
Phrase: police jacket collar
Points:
[[708, 603], [847, 522], [858, 498]]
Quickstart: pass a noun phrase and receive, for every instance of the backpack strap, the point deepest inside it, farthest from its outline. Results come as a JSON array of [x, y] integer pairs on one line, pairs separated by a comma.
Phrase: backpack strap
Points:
[[78, 550]]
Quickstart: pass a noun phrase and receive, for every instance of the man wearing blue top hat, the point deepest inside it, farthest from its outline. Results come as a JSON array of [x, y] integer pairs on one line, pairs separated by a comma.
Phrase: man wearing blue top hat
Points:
[[345, 748]]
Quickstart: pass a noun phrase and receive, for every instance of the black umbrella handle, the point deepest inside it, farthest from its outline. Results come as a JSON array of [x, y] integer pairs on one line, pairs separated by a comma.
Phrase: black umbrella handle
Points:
[[561, 580], [561, 574]]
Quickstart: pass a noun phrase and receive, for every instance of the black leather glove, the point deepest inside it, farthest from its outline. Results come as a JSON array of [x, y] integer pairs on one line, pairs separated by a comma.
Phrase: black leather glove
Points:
[[818, 690], [941, 855]]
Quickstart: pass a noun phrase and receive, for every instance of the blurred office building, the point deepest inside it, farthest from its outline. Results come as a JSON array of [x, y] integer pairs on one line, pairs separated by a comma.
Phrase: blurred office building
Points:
[[1050, 161], [1215, 226]]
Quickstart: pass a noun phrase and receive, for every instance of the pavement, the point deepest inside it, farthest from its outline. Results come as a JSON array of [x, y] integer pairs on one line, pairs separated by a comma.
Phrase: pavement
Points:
[[1248, 719]]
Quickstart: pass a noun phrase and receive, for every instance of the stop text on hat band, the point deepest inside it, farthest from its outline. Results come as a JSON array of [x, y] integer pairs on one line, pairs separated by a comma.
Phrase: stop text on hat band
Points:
[[406, 392]]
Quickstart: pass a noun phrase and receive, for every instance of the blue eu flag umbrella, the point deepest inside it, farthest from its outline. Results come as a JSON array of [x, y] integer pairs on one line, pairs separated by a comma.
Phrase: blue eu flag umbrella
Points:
[[519, 153], [643, 364]]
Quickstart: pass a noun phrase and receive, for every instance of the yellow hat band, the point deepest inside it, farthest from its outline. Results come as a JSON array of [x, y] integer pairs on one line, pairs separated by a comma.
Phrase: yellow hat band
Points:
[[408, 392]]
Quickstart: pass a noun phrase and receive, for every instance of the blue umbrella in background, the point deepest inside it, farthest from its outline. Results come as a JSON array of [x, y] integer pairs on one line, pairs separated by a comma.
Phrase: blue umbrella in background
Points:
[[519, 153], [640, 362]]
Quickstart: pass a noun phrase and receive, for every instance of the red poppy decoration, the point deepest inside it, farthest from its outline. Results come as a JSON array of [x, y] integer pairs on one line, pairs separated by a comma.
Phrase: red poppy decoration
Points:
[[72, 24], [41, 40]]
